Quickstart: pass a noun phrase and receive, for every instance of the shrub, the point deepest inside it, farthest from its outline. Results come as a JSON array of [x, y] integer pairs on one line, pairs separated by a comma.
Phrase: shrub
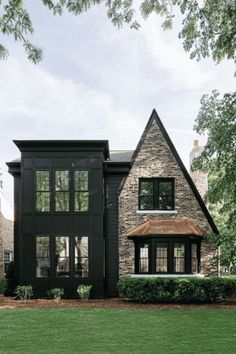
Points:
[[176, 290], [84, 291], [3, 285], [56, 293], [24, 292]]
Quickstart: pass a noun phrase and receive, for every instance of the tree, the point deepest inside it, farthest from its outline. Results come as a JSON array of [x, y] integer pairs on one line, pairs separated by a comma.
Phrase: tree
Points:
[[209, 27], [217, 119]]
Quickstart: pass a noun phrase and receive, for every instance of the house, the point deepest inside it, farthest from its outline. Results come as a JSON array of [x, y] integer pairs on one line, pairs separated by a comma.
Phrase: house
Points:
[[86, 215], [6, 233]]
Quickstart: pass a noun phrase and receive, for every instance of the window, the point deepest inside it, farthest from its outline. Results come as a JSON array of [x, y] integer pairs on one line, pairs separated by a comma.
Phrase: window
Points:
[[62, 256], [81, 257], [156, 194], [179, 257], [8, 258], [81, 191], [61, 190], [144, 258], [168, 255], [161, 257], [42, 257], [194, 260], [42, 197]]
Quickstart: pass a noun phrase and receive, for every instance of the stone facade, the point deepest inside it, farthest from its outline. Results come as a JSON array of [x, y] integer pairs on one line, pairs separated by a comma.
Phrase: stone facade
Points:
[[6, 230], [155, 159]]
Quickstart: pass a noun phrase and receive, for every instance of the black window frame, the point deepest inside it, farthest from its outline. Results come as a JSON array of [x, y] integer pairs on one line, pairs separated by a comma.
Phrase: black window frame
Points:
[[81, 191], [55, 191], [171, 241], [48, 191], [156, 192]]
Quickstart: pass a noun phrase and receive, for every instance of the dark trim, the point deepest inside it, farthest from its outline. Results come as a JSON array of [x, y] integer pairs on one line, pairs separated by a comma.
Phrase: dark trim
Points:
[[154, 116], [14, 167], [64, 145]]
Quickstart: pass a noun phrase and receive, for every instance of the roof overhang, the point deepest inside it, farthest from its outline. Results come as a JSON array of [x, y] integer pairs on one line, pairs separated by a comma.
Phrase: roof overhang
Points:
[[177, 227]]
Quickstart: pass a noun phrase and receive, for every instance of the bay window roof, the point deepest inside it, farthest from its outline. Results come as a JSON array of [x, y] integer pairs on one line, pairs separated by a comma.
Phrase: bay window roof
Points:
[[182, 227]]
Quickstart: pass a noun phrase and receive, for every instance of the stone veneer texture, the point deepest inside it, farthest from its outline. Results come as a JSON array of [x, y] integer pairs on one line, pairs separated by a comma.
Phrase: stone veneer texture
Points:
[[6, 239], [155, 159]]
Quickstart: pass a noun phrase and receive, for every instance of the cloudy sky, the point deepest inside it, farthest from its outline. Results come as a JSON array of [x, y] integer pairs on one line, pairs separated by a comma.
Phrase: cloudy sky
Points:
[[98, 82]]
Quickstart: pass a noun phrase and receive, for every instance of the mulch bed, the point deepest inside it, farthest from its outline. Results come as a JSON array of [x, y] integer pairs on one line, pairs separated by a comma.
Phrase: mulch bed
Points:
[[113, 303]]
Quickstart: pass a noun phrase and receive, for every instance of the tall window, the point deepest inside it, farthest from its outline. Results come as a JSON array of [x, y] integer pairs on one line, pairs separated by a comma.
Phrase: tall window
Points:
[[81, 191], [8, 258], [161, 257], [62, 256], [194, 258], [144, 258], [81, 257], [42, 197], [61, 190], [42, 257], [179, 257], [156, 194]]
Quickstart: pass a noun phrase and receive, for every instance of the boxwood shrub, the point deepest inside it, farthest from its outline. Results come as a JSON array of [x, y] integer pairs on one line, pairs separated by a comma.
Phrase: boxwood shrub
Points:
[[176, 290]]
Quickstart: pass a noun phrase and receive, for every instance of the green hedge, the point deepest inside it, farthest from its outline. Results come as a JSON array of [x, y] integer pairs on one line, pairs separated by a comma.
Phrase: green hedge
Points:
[[176, 290]]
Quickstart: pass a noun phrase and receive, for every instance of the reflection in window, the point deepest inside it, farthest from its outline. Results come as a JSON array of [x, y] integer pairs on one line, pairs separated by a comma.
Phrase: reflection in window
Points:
[[81, 257], [146, 195], [81, 191], [62, 256], [179, 257], [165, 195], [161, 257], [143, 258], [62, 190], [42, 257], [8, 258], [42, 197], [194, 261]]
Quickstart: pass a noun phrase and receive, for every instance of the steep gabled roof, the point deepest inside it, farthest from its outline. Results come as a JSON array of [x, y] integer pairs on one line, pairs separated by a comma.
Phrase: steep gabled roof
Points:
[[154, 116]]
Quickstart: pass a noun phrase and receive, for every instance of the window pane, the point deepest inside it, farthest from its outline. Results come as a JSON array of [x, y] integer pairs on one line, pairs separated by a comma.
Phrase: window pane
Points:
[[62, 256], [146, 188], [179, 257], [165, 195], [81, 201], [81, 180], [143, 258], [62, 201], [194, 262], [62, 180], [161, 257], [146, 203], [81, 257], [42, 257], [43, 201], [42, 181]]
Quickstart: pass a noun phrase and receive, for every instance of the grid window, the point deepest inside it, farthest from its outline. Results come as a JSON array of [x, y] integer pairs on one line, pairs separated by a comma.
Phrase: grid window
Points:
[[194, 259], [61, 190], [8, 258], [81, 191], [81, 257], [179, 257], [42, 197], [144, 258], [62, 256], [42, 257], [161, 257], [156, 194]]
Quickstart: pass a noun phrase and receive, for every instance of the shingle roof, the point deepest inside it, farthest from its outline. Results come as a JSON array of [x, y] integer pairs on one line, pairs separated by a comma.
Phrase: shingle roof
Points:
[[121, 155]]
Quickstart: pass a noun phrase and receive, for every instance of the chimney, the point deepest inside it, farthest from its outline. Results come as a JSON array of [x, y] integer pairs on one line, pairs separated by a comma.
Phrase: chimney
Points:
[[199, 178]]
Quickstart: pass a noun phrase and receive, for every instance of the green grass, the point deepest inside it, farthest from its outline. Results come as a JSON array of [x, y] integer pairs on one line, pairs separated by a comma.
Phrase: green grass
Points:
[[193, 330]]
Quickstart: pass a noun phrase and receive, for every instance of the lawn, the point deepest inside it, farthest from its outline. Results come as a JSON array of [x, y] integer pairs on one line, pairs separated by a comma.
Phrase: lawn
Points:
[[193, 330]]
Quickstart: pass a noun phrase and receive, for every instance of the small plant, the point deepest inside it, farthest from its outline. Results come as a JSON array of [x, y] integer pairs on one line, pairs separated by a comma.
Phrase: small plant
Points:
[[84, 291], [24, 292], [56, 293], [3, 285]]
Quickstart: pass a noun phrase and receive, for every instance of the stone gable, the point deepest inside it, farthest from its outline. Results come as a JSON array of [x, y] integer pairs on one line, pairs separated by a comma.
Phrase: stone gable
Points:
[[155, 159]]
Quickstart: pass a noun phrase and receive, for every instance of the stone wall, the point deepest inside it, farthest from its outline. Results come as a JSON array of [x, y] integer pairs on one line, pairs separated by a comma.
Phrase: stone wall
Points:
[[6, 239], [155, 159]]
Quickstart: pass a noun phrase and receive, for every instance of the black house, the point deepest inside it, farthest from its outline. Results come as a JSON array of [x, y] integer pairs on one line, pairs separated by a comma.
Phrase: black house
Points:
[[85, 215]]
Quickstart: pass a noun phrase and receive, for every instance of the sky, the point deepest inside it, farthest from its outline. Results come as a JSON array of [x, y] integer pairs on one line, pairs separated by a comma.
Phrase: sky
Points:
[[100, 82]]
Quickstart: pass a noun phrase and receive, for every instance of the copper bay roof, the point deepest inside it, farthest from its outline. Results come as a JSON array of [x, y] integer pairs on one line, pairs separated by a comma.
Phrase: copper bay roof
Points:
[[182, 227]]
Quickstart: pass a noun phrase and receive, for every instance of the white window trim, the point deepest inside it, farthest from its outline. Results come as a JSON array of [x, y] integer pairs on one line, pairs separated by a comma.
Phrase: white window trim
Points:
[[156, 211]]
